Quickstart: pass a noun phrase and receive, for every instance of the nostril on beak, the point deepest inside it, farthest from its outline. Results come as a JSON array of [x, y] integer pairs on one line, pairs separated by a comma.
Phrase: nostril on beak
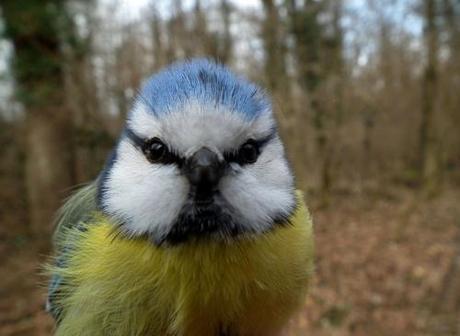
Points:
[[204, 170]]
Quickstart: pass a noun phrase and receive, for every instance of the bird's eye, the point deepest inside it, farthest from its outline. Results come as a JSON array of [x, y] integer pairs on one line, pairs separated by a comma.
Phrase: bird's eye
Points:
[[248, 152], [155, 150]]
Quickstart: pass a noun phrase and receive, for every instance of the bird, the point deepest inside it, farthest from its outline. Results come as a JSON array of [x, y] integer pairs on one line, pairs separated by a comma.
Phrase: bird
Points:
[[194, 226]]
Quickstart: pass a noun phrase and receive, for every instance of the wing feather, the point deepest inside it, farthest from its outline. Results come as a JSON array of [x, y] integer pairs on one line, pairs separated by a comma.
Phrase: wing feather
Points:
[[73, 215]]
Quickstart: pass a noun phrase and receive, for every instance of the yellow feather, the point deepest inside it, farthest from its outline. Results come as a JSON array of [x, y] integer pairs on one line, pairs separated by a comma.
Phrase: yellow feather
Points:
[[119, 286]]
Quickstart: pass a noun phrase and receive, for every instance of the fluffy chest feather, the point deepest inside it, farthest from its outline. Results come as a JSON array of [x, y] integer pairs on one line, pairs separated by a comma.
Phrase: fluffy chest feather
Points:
[[117, 286]]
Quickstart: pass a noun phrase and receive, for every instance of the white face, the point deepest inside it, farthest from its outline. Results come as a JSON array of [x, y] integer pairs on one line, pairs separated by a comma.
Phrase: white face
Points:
[[149, 198]]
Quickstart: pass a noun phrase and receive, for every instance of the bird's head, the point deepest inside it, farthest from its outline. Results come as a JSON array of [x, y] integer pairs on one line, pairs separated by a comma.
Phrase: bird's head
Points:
[[199, 157]]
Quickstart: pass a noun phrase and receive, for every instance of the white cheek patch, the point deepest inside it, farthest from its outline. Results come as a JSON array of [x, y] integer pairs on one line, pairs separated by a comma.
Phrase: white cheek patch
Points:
[[263, 191], [146, 198]]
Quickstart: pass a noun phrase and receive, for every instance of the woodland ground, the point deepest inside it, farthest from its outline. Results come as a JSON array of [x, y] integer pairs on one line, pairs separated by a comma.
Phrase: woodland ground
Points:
[[382, 260]]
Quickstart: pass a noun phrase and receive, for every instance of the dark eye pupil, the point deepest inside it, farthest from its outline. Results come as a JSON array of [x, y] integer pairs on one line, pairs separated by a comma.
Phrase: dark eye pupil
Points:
[[155, 150], [249, 153]]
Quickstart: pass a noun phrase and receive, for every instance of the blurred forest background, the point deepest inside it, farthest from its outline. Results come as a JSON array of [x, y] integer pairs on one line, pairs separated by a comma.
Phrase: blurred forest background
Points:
[[367, 94]]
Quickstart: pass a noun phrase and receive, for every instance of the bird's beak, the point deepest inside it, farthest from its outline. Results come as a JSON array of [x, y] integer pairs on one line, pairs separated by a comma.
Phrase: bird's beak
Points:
[[204, 170]]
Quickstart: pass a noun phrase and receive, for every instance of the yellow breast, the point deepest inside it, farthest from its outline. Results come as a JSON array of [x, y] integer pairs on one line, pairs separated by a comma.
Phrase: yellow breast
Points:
[[119, 286]]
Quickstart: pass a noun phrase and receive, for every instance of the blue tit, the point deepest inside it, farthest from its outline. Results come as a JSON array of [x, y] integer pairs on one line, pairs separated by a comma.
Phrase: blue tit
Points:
[[194, 227]]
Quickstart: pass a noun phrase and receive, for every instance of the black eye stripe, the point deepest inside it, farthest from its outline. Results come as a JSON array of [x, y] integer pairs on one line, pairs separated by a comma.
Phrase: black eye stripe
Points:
[[259, 143], [263, 141], [140, 143], [136, 140]]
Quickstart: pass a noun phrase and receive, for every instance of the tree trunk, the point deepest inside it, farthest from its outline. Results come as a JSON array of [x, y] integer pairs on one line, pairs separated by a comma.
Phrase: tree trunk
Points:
[[48, 165], [275, 66], [34, 29], [226, 49], [429, 137], [158, 45], [307, 32]]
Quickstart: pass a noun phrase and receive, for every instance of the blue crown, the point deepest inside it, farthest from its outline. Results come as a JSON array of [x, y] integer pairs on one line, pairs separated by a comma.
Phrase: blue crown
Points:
[[206, 82]]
